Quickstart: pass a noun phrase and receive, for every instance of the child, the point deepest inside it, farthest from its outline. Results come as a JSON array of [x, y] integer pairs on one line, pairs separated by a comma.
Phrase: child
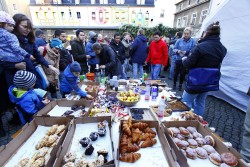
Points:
[[69, 82], [21, 93], [10, 50]]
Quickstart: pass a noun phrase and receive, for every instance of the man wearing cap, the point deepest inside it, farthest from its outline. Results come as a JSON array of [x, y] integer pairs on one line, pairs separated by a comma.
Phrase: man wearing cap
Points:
[[92, 61], [40, 38], [22, 94], [70, 81], [51, 53]]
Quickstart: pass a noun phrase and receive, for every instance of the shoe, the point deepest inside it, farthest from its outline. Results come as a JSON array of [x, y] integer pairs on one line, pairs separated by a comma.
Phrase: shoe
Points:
[[174, 87], [180, 87]]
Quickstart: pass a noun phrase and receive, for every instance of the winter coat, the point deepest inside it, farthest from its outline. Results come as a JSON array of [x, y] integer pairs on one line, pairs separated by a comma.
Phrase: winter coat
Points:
[[53, 59], [139, 49], [29, 103], [120, 48], [65, 59], [10, 50], [183, 45], [158, 53], [89, 51], [127, 45], [69, 83], [78, 52], [208, 54], [40, 42], [108, 58]]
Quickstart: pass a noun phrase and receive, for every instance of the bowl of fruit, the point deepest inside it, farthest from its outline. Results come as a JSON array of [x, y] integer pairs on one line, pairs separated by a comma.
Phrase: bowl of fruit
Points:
[[128, 98]]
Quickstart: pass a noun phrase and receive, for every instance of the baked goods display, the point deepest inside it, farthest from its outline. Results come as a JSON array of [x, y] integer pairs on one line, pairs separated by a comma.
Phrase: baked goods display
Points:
[[135, 136], [43, 147]]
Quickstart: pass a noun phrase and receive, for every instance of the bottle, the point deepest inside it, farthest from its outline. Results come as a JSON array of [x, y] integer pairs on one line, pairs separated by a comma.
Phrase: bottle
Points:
[[154, 93], [161, 108], [97, 73], [115, 81], [147, 94]]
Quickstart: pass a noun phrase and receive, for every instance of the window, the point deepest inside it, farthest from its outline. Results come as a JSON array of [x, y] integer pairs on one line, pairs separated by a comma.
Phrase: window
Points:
[[103, 1], [189, 2], [203, 15], [193, 19], [184, 21], [162, 13], [180, 6], [178, 24]]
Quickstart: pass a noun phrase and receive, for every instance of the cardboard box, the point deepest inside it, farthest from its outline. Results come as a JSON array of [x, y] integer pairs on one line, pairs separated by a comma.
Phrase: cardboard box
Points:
[[68, 139], [220, 147], [9, 150], [64, 103], [168, 153]]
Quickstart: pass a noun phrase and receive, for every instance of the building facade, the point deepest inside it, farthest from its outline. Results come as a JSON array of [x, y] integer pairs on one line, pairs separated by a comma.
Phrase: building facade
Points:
[[191, 13]]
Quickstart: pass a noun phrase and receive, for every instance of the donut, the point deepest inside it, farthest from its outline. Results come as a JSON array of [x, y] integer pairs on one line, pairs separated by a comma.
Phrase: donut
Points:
[[89, 150], [184, 131], [191, 129], [200, 141], [179, 136], [229, 159], [175, 131], [191, 153], [93, 136], [197, 135], [101, 132], [69, 157], [215, 158], [85, 141], [209, 149], [176, 141], [192, 143], [183, 144], [190, 136], [209, 140], [201, 153], [224, 165]]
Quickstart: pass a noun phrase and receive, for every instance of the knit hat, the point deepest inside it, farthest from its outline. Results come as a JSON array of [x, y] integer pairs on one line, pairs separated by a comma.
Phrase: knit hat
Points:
[[75, 67], [92, 34], [6, 18], [38, 32], [24, 79], [56, 43]]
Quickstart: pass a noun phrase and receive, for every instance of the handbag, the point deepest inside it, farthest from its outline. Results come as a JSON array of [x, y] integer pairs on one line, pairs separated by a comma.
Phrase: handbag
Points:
[[40, 71], [203, 79]]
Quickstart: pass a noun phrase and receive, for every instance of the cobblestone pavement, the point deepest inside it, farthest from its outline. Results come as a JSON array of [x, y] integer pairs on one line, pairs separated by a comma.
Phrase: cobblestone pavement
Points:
[[227, 120]]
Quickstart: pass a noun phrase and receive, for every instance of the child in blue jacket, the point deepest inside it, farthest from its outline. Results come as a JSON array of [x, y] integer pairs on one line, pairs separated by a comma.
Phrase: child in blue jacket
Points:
[[24, 97], [70, 81]]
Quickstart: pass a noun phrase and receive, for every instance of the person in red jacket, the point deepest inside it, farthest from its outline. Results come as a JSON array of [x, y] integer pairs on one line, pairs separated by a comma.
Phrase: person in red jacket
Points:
[[157, 56]]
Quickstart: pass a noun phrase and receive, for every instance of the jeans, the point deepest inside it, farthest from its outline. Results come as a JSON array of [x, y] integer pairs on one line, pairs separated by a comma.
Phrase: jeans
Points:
[[245, 151], [195, 101], [135, 70], [155, 71], [171, 73], [123, 74]]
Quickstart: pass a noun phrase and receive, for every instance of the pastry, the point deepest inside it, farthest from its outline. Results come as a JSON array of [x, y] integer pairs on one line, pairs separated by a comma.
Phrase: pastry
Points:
[[126, 129], [176, 140], [51, 141], [37, 163], [132, 148], [191, 129], [149, 130], [184, 131], [130, 122], [148, 143], [101, 132], [69, 157], [140, 125], [130, 157], [136, 135], [224, 165], [179, 136], [197, 135], [215, 158], [101, 125], [85, 141], [40, 153], [42, 142], [147, 135], [69, 164], [68, 112], [93, 136], [191, 153], [52, 130], [200, 141], [100, 160], [190, 136], [92, 164], [201, 153], [229, 159], [102, 152], [192, 143], [183, 144], [209, 149], [80, 163], [89, 150], [24, 162], [170, 132], [60, 129], [175, 130], [209, 140]]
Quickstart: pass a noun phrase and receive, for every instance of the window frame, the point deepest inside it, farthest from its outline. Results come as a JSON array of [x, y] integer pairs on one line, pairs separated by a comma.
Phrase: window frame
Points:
[[201, 21], [193, 17], [186, 16]]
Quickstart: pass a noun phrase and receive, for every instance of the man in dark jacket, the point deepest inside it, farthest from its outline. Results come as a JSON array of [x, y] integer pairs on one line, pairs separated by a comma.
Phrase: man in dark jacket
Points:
[[139, 53], [92, 61], [108, 60], [119, 48], [40, 38], [78, 51], [65, 56]]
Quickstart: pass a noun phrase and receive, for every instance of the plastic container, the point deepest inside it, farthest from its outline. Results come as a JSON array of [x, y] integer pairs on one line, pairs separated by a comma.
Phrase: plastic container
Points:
[[161, 108], [154, 93], [90, 76], [147, 94]]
